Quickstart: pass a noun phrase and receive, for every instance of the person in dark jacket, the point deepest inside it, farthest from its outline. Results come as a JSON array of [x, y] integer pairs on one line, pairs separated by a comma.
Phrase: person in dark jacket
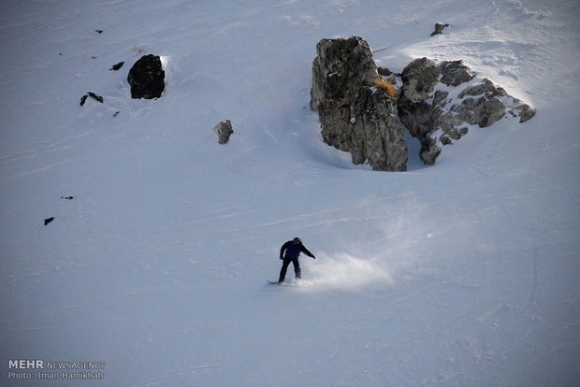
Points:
[[290, 252]]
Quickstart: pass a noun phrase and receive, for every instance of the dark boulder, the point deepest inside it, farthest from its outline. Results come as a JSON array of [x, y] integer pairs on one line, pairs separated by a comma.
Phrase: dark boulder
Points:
[[147, 77]]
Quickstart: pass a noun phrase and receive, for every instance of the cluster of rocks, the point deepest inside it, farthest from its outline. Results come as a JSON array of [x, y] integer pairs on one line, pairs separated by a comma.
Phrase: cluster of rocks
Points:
[[435, 104], [147, 80], [438, 101], [361, 112]]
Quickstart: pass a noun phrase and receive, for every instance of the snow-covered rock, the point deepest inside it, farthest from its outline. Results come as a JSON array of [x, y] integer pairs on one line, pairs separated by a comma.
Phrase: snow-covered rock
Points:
[[438, 100]]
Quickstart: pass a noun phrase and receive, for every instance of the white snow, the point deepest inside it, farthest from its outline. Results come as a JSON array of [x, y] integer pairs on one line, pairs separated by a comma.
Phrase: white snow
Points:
[[465, 273]]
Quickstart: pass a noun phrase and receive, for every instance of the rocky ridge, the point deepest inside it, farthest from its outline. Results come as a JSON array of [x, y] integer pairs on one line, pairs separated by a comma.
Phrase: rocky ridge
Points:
[[361, 113]]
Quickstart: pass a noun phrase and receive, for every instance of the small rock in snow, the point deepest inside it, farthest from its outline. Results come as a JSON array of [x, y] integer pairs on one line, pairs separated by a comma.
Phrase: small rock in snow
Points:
[[117, 66], [439, 27]]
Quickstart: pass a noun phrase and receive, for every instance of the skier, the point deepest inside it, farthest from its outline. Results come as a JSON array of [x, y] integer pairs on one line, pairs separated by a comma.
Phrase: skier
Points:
[[290, 252]]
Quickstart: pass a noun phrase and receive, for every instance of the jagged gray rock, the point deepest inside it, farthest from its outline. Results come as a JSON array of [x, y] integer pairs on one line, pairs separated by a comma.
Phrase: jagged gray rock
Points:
[[439, 27], [224, 130], [147, 77], [356, 116], [429, 109]]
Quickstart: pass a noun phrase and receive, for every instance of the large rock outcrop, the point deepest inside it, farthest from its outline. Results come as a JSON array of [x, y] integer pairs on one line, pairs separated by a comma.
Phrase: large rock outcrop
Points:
[[147, 77], [355, 115], [437, 103], [439, 100]]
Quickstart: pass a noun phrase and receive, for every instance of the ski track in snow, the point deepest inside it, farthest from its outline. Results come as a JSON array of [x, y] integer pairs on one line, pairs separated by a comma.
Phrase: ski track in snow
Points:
[[460, 274]]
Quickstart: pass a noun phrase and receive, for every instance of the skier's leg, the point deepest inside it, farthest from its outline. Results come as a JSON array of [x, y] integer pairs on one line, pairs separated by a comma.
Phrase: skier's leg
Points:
[[284, 268], [297, 271]]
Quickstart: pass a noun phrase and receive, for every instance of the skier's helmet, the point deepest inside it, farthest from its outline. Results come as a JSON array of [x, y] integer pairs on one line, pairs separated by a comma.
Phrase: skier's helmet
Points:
[[297, 241]]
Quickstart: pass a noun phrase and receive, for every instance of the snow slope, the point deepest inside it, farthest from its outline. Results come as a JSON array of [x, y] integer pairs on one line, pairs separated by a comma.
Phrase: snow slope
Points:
[[461, 274]]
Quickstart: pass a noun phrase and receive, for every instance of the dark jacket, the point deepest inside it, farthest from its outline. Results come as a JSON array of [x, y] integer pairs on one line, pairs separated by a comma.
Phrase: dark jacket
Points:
[[291, 250]]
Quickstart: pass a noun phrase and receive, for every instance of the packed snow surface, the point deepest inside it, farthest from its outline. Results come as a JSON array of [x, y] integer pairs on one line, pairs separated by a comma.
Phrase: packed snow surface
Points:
[[466, 273]]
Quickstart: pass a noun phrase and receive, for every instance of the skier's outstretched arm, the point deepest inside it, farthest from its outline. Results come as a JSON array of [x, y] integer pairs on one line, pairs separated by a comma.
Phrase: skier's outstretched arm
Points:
[[305, 251]]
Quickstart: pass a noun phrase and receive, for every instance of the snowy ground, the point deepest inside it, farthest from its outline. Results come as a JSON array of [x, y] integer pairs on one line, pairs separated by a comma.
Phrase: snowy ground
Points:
[[462, 274]]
